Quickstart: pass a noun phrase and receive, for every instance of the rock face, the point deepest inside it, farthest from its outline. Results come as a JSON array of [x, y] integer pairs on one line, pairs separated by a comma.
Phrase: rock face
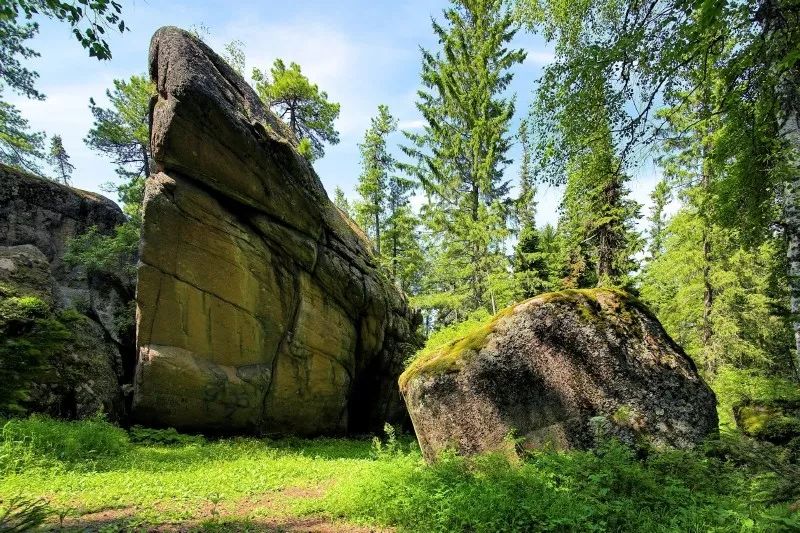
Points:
[[37, 219], [559, 370], [260, 305]]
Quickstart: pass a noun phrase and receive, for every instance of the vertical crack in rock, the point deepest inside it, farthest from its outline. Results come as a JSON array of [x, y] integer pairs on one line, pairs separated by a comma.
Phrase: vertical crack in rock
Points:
[[294, 316]]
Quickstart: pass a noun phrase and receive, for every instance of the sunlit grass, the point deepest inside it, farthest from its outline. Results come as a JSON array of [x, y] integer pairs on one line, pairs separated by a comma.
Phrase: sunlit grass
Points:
[[257, 484]]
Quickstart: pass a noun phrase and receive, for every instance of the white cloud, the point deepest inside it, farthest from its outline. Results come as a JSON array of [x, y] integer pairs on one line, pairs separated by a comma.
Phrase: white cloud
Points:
[[413, 124], [539, 57], [348, 70]]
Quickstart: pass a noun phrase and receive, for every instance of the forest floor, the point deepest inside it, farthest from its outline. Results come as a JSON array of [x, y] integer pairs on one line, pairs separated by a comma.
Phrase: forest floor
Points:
[[97, 477]]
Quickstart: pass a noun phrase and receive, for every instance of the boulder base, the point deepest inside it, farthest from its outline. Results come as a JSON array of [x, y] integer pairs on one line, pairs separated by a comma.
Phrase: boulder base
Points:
[[559, 370]]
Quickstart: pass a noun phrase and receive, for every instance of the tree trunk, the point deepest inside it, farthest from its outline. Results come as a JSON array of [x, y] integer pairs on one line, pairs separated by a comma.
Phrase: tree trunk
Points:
[[791, 225], [377, 229]]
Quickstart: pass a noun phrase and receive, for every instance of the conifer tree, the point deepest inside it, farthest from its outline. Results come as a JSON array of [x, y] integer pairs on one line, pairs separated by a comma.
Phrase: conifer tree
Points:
[[530, 266], [598, 219], [376, 166], [304, 107], [59, 160], [660, 196], [341, 201], [122, 133], [460, 156]]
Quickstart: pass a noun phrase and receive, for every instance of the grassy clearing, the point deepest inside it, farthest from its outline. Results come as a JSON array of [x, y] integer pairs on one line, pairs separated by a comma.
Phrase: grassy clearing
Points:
[[95, 477]]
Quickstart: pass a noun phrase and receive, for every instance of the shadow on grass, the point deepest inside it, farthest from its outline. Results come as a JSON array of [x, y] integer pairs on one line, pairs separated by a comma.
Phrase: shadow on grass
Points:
[[124, 520]]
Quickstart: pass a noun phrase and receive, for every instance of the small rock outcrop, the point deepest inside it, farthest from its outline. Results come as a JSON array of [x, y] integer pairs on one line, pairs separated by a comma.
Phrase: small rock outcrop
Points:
[[260, 305], [562, 370], [38, 217]]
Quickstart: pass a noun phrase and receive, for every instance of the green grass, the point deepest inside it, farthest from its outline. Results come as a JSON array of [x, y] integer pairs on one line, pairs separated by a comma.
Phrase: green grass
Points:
[[95, 477]]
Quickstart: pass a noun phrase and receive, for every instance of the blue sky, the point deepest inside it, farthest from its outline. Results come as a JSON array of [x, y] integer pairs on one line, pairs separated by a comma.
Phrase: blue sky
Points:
[[363, 53]]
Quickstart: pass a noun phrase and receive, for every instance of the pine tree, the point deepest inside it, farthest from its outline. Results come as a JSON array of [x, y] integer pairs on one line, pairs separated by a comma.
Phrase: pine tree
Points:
[[122, 133], [19, 146], [304, 107], [59, 160], [460, 156]]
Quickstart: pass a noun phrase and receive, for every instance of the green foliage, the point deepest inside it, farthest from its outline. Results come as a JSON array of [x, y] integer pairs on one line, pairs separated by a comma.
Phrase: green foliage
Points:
[[18, 514], [233, 53], [779, 430], [341, 201], [748, 329], [460, 156], [19, 147], [383, 209], [30, 334], [300, 103], [377, 164], [89, 21], [106, 253], [607, 490], [597, 219], [660, 197], [42, 442], [737, 485], [60, 161], [736, 386], [163, 437], [121, 131]]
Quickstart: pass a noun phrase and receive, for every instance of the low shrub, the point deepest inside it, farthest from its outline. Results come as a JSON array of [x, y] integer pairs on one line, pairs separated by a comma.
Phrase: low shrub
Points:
[[604, 490], [163, 437]]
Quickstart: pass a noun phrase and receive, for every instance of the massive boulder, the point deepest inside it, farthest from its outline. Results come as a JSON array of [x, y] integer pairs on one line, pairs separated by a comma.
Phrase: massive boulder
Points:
[[560, 370], [260, 305], [38, 217]]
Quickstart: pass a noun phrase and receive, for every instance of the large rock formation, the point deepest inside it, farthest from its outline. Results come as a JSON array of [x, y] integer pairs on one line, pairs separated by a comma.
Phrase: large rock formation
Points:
[[37, 219], [260, 305], [560, 370]]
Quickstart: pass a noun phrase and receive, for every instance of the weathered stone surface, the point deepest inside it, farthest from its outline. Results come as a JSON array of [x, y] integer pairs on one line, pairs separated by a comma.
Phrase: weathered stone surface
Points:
[[41, 215], [260, 305], [558, 370]]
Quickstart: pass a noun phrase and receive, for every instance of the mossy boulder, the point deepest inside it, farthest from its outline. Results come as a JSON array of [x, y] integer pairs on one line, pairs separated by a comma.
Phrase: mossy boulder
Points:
[[52, 360], [559, 370], [775, 421]]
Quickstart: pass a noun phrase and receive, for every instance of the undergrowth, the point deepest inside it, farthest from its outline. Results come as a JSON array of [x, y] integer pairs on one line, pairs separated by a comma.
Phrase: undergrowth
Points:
[[85, 467]]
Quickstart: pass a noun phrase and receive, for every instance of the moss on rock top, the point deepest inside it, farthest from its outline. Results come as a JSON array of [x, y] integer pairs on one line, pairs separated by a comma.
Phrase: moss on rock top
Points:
[[591, 303]]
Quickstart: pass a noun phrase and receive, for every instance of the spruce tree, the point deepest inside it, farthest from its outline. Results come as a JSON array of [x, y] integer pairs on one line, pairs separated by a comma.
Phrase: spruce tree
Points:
[[660, 196], [462, 152], [376, 165], [530, 265], [597, 218]]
